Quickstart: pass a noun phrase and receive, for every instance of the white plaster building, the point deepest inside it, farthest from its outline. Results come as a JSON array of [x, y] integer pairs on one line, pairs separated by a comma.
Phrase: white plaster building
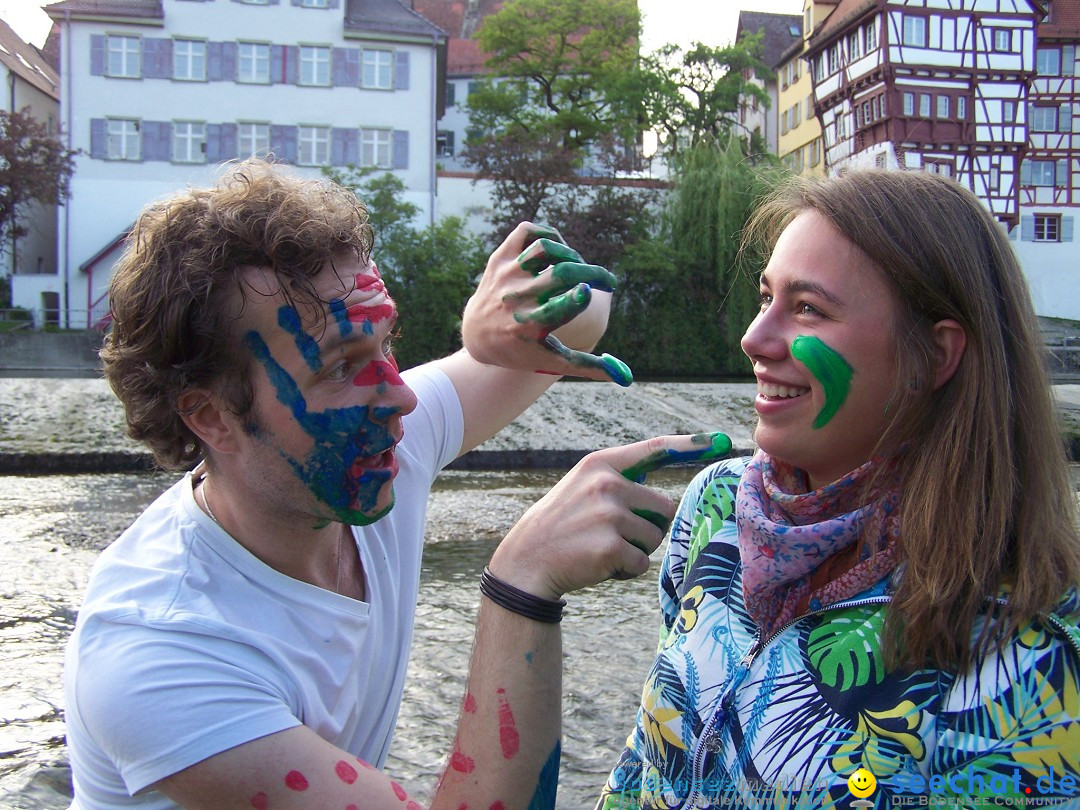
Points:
[[157, 93], [28, 82]]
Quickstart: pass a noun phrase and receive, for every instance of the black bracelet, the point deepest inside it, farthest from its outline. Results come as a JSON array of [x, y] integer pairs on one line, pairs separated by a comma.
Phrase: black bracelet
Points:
[[520, 602]]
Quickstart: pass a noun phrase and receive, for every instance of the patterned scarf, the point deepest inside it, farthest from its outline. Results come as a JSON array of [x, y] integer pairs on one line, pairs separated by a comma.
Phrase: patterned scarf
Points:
[[786, 533]]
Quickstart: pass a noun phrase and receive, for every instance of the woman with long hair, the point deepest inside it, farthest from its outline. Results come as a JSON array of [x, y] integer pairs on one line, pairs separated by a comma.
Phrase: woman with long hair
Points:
[[882, 601]]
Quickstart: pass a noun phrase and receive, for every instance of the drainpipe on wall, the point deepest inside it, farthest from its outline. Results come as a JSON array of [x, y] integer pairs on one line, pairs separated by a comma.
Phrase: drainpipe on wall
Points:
[[434, 108], [14, 238], [67, 203]]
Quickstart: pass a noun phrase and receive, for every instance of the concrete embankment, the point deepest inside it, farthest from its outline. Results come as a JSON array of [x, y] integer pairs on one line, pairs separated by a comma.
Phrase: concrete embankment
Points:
[[54, 425], [51, 425]]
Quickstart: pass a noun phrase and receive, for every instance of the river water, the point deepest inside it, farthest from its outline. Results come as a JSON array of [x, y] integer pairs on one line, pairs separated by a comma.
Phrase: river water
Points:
[[52, 528]]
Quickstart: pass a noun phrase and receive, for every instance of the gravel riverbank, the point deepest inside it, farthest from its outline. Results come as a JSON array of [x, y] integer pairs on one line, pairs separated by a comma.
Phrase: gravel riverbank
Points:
[[52, 425]]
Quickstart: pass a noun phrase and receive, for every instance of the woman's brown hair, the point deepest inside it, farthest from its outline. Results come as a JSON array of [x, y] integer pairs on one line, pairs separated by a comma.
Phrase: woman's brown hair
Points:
[[177, 292], [987, 498]]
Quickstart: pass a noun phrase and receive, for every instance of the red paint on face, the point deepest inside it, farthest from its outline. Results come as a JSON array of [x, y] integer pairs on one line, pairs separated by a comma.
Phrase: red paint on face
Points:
[[358, 313], [497, 806], [399, 791], [260, 801], [378, 371], [366, 765], [346, 772], [509, 738], [294, 780], [351, 807], [413, 806], [461, 763], [470, 703]]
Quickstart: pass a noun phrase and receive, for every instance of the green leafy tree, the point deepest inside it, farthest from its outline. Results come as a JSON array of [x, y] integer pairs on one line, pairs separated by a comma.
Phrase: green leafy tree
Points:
[[693, 95], [35, 167], [560, 63]]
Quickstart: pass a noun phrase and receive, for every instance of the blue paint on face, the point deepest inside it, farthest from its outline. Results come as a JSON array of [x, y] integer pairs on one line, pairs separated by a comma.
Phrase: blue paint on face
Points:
[[342, 437], [289, 320], [547, 785], [340, 313], [367, 328]]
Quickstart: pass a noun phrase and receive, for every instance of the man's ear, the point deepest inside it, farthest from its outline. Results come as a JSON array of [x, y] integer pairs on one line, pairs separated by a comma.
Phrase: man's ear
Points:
[[202, 413], [949, 340]]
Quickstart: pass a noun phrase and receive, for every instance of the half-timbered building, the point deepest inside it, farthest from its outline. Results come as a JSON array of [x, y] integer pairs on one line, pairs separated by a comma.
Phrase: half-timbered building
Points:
[[980, 90]]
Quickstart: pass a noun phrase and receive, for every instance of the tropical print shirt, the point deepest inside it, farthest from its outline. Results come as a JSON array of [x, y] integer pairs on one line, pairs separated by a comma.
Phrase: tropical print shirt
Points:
[[730, 719]]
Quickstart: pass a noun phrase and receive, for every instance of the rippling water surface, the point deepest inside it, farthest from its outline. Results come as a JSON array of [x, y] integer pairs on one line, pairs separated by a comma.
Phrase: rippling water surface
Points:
[[52, 528]]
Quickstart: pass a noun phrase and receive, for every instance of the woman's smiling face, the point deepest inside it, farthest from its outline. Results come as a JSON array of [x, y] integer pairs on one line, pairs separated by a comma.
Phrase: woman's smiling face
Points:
[[822, 405]]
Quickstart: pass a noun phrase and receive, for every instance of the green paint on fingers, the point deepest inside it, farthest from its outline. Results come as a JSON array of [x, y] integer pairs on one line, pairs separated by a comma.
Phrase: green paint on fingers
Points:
[[619, 372], [830, 369], [708, 447]]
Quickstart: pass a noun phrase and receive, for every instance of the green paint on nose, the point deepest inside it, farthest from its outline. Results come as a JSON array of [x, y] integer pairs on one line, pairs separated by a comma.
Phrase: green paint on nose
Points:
[[831, 370]]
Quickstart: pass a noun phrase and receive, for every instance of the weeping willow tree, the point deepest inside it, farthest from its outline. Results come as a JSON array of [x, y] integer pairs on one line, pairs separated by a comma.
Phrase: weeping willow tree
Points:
[[685, 299]]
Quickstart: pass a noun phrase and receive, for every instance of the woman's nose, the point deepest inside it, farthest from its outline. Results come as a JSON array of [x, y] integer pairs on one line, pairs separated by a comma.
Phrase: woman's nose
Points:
[[764, 338]]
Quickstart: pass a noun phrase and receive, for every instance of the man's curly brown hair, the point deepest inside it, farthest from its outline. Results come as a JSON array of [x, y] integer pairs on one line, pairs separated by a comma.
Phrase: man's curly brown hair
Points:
[[178, 293]]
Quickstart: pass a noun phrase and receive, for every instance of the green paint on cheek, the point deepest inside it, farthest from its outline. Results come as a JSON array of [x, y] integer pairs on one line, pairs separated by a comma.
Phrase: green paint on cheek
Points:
[[831, 370]]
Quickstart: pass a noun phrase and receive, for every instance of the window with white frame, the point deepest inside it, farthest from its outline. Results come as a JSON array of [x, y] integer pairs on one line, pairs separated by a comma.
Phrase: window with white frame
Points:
[[122, 139], [123, 57], [961, 107], [871, 37], [834, 58], [815, 151], [253, 62], [1008, 112], [924, 105], [252, 138], [188, 142], [313, 146], [853, 48], [1044, 119], [314, 65], [378, 71], [1048, 61], [909, 103], [375, 148], [189, 60], [1047, 227], [943, 106], [1002, 39], [1042, 172], [315, 3], [914, 31]]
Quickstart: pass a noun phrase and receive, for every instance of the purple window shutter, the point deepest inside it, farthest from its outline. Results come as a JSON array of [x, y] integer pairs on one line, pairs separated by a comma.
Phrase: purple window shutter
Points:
[[156, 58], [97, 55], [283, 143], [213, 143], [156, 140], [228, 61], [355, 58], [277, 64], [292, 64], [227, 142], [340, 70], [401, 70], [214, 62], [352, 147], [98, 148], [337, 146], [401, 148]]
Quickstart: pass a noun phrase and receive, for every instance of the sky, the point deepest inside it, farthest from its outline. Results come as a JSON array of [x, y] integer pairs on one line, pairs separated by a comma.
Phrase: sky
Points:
[[680, 21]]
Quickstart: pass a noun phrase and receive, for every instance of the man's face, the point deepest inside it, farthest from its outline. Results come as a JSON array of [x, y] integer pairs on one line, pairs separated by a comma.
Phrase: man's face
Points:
[[328, 397]]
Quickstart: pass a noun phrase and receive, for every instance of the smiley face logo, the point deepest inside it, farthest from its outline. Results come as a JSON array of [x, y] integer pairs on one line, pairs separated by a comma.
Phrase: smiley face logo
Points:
[[862, 783]]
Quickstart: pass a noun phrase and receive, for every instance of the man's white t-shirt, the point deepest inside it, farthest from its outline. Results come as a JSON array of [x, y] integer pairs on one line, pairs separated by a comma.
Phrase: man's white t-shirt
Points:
[[187, 644]]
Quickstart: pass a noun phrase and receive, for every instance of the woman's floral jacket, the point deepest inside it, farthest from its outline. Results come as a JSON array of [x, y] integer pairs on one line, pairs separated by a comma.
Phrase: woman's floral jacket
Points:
[[729, 719]]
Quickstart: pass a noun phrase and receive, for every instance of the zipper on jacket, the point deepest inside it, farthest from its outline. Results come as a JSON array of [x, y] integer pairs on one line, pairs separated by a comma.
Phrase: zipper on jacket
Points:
[[710, 739]]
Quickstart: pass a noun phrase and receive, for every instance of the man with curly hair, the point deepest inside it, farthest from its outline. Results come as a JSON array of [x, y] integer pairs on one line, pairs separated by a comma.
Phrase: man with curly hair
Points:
[[244, 643]]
